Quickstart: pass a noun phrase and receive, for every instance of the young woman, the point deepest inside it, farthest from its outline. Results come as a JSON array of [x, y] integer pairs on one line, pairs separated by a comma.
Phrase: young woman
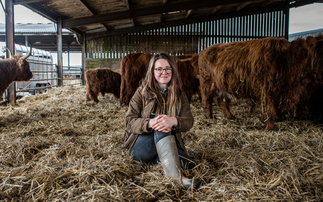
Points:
[[158, 112]]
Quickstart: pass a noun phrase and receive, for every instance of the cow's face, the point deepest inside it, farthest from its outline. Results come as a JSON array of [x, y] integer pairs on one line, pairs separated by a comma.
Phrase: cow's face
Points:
[[24, 73]]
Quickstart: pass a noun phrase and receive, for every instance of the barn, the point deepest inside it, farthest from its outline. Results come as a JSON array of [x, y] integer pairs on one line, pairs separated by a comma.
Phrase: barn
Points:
[[57, 146]]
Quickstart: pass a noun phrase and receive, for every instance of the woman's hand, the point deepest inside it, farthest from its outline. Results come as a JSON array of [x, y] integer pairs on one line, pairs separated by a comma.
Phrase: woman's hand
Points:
[[163, 123]]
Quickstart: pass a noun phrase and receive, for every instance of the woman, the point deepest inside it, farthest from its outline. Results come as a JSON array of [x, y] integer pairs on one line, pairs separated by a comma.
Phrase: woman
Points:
[[158, 112]]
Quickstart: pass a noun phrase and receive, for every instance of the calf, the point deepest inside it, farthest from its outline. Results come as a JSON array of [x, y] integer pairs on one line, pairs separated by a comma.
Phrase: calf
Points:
[[102, 80]]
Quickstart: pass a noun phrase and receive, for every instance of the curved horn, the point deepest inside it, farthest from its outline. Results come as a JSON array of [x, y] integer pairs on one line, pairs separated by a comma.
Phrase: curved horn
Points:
[[25, 58], [9, 52], [182, 60]]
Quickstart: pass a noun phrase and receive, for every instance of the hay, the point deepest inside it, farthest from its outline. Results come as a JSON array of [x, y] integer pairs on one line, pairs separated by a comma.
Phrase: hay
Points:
[[58, 147]]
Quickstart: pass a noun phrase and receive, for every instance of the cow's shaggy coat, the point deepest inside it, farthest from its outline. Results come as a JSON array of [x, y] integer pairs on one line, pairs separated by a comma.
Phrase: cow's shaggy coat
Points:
[[13, 69], [102, 80], [276, 73]]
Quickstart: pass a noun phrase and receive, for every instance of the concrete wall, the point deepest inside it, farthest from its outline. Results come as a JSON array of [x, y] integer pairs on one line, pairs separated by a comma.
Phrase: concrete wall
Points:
[[113, 64]]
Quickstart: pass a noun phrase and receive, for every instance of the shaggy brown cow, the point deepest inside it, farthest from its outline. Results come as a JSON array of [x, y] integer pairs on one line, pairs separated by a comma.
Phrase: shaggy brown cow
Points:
[[273, 71], [15, 68], [134, 67], [102, 80]]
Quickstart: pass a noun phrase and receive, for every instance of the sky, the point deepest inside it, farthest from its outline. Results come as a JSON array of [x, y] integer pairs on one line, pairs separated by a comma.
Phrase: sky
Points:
[[302, 19]]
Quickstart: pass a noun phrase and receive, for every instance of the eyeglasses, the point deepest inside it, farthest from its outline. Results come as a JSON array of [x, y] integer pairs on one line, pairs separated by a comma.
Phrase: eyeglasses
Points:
[[161, 70]]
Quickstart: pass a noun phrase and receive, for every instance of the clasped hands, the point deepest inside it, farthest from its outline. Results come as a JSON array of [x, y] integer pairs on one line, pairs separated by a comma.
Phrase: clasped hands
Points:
[[163, 123]]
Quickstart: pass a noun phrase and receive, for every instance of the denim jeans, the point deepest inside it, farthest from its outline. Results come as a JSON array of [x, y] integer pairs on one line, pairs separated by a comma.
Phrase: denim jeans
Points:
[[144, 149]]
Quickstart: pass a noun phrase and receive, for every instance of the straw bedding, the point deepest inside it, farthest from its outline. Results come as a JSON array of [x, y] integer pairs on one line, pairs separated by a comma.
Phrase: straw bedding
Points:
[[58, 147]]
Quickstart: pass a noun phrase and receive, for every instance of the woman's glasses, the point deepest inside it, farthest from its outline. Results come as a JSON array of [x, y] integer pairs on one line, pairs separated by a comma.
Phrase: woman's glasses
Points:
[[161, 70]]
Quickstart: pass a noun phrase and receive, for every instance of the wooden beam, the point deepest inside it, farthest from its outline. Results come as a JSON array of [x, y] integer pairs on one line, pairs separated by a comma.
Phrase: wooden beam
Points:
[[266, 3], [41, 11], [145, 12], [188, 13], [49, 15], [216, 9], [84, 2], [241, 6], [89, 7], [128, 8], [15, 2]]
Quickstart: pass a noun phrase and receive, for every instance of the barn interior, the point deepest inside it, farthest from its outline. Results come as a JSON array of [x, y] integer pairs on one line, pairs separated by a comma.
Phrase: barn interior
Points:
[[56, 146]]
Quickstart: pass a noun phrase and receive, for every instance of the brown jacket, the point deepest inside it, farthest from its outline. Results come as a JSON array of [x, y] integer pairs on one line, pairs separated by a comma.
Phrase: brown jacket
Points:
[[138, 114]]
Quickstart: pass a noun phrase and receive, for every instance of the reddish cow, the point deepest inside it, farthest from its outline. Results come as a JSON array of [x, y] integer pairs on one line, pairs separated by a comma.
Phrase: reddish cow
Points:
[[188, 75], [134, 67], [15, 68], [208, 90], [273, 71], [102, 80]]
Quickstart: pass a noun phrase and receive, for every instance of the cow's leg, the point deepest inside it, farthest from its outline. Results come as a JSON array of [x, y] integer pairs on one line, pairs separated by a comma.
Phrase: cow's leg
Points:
[[94, 96], [224, 103], [207, 99], [87, 96], [269, 113], [251, 105], [122, 91]]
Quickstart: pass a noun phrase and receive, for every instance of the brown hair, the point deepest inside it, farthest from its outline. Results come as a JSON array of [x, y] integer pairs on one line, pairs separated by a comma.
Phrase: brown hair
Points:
[[173, 103]]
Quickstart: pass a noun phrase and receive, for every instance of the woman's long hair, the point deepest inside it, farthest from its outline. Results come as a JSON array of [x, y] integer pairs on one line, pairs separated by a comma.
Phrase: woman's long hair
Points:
[[173, 103]]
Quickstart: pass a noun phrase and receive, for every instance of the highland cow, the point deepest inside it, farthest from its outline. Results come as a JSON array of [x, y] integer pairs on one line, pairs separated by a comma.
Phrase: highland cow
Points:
[[15, 68], [276, 73], [102, 80]]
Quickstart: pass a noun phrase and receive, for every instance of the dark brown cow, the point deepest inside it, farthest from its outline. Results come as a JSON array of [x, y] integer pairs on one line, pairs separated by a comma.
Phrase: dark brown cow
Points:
[[102, 80], [134, 67], [276, 73], [15, 68]]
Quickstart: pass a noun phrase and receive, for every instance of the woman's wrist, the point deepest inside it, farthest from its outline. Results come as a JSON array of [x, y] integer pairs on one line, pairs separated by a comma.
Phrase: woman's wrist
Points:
[[175, 122]]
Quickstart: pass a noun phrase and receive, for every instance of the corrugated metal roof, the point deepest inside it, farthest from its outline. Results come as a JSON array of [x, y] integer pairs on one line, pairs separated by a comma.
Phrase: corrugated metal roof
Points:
[[35, 28]]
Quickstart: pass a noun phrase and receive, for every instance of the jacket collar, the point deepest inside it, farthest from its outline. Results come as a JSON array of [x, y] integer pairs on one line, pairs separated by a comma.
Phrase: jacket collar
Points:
[[149, 95]]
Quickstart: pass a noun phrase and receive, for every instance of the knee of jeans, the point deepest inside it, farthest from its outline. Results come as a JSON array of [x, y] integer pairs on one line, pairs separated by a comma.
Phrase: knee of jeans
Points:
[[158, 135]]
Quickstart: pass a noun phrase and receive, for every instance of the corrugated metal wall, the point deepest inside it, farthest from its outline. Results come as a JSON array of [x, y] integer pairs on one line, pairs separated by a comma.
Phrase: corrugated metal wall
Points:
[[190, 38]]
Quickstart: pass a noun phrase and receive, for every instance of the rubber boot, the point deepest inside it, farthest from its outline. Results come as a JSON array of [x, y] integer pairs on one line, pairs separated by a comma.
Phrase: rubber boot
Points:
[[168, 156]]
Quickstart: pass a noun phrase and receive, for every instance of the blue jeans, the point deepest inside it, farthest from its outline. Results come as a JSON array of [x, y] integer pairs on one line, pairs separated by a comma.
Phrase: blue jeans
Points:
[[144, 149]]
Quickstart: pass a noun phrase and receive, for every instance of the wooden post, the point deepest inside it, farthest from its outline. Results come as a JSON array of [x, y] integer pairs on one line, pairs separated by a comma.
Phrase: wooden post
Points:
[[10, 43], [83, 58], [59, 52], [286, 14]]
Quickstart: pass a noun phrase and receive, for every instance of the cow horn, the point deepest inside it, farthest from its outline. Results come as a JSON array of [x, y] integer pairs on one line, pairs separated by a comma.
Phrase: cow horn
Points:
[[9, 52], [182, 60], [25, 58]]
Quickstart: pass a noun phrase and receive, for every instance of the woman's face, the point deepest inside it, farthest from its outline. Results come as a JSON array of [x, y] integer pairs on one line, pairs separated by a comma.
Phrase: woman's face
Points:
[[162, 73]]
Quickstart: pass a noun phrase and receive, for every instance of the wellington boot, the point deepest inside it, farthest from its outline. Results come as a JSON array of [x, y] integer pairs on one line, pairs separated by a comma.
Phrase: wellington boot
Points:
[[168, 156]]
